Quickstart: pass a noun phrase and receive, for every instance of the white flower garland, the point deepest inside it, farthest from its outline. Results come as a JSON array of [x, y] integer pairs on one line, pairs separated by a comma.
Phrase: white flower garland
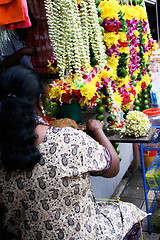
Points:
[[69, 41], [95, 34], [79, 53], [84, 22], [70, 31], [80, 35]]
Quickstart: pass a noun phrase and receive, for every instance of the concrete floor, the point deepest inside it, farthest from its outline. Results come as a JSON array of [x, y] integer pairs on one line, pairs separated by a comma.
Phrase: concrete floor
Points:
[[131, 190]]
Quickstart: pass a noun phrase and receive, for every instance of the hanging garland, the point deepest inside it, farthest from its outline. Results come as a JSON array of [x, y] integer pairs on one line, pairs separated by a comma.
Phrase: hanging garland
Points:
[[125, 49], [76, 29], [71, 28]]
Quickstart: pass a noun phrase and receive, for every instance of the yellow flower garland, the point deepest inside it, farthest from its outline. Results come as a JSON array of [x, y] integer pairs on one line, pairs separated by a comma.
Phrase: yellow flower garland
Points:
[[110, 9]]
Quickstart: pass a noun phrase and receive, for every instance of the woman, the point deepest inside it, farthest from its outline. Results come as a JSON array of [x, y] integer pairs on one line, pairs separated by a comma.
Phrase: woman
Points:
[[45, 187]]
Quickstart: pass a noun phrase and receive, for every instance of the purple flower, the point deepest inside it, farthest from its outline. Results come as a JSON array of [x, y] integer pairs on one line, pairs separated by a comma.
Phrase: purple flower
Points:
[[145, 48], [122, 89], [98, 87], [105, 81], [113, 86], [144, 71], [113, 50]]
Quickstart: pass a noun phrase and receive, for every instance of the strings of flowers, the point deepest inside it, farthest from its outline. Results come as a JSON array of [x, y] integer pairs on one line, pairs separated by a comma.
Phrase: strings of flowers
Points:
[[128, 90], [72, 27], [76, 29], [128, 49], [116, 41]]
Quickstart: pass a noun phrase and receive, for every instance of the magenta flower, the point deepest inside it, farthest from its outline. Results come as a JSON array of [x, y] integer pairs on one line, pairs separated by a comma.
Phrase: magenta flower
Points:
[[113, 50], [105, 81]]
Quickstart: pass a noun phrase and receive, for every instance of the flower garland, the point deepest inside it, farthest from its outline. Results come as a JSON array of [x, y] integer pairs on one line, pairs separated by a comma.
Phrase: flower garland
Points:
[[152, 46], [109, 101], [95, 34], [115, 39], [72, 27], [128, 50]]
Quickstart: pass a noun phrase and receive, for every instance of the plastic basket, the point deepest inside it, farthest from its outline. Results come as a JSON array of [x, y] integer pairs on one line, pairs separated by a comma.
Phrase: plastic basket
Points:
[[153, 115]]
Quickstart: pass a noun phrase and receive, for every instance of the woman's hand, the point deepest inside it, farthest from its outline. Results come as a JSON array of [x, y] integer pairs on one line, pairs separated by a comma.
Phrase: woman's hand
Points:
[[92, 125]]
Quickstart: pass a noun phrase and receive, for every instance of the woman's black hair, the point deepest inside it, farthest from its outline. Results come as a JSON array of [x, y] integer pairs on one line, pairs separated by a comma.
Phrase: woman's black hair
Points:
[[20, 88]]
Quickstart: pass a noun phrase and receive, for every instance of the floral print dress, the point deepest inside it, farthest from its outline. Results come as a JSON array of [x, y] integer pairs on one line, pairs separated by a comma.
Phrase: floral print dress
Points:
[[55, 201]]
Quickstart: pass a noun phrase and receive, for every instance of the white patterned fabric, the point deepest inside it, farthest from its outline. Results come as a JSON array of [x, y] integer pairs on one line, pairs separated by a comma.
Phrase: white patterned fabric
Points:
[[55, 201]]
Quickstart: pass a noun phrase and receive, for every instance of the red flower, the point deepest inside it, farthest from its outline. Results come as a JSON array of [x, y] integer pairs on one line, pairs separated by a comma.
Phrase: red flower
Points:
[[133, 92], [94, 98], [111, 28], [76, 95], [123, 44], [126, 98], [66, 97], [143, 85]]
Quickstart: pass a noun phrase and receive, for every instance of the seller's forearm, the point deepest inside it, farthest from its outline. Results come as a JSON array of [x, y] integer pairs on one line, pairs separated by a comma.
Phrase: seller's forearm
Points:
[[100, 137], [13, 59]]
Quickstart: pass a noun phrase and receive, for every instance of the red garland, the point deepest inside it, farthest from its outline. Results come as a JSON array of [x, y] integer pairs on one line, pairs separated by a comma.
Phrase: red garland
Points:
[[143, 85]]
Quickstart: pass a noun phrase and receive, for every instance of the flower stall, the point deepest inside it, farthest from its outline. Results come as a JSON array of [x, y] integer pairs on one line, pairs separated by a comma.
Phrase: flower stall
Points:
[[102, 57], [101, 51]]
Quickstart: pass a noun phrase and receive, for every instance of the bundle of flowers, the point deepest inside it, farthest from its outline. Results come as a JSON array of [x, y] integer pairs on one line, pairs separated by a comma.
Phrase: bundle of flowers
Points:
[[66, 90], [136, 124]]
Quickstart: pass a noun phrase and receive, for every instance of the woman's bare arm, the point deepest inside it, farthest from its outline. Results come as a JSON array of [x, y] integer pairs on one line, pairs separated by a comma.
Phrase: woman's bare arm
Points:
[[95, 130]]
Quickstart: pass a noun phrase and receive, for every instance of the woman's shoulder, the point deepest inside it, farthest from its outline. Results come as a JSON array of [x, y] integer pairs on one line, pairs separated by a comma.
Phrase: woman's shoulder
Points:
[[56, 133], [62, 130]]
